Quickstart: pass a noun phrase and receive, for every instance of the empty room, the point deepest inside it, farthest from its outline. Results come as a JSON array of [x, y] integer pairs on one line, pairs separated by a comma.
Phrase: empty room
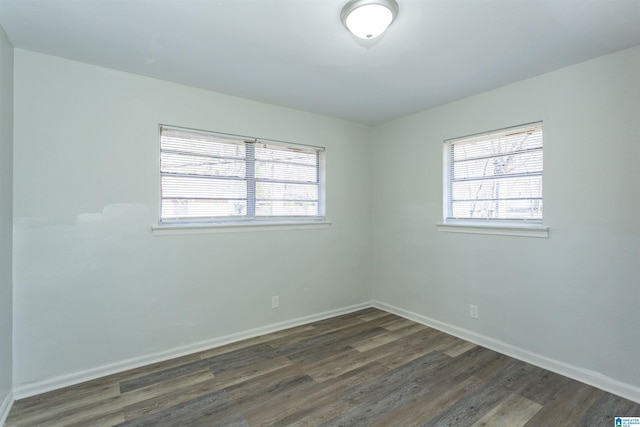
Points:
[[319, 212]]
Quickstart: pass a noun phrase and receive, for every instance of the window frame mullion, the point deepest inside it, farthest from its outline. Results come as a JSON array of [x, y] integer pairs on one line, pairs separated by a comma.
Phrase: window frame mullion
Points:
[[250, 168]]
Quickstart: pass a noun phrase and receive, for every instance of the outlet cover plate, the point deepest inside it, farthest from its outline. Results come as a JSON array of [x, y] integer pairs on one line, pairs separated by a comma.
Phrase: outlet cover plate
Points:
[[473, 311]]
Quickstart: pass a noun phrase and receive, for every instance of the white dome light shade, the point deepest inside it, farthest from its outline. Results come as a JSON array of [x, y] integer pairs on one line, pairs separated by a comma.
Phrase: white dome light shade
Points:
[[368, 19]]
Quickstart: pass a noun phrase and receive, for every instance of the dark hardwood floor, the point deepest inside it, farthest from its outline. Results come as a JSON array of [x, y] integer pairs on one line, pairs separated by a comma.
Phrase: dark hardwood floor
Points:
[[368, 368]]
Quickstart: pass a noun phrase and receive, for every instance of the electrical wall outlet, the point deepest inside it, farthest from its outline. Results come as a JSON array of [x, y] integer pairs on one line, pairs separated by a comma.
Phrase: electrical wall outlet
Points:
[[473, 311], [275, 302]]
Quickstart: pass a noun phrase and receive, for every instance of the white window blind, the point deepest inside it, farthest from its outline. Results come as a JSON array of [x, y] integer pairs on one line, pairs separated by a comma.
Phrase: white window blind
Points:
[[214, 177], [495, 176]]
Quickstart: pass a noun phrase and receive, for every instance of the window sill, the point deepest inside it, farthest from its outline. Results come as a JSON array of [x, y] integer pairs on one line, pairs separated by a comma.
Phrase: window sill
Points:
[[498, 230], [177, 229]]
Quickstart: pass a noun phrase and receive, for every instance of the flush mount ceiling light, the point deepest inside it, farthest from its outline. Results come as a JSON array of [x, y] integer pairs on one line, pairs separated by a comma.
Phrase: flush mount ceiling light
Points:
[[367, 19]]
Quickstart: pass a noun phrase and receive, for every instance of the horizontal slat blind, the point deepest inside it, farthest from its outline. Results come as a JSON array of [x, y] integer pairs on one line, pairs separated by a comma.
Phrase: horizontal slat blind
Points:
[[287, 181], [496, 176], [207, 176]]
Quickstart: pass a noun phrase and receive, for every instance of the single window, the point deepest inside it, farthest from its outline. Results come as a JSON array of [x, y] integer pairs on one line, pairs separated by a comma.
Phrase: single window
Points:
[[209, 177], [496, 176]]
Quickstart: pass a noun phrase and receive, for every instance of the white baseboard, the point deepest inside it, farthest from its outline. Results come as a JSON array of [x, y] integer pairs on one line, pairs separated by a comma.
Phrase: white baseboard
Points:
[[595, 379], [20, 391], [586, 376], [5, 407]]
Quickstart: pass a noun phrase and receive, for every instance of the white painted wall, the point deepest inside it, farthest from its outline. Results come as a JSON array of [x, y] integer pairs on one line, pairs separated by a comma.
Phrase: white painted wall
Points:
[[6, 219], [94, 287], [573, 297]]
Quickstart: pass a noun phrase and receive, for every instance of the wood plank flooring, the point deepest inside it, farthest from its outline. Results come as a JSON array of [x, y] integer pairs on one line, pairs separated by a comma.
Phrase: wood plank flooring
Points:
[[368, 368]]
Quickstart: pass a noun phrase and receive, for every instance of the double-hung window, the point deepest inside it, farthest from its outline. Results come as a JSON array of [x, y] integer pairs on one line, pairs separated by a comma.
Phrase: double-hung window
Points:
[[495, 178], [207, 177]]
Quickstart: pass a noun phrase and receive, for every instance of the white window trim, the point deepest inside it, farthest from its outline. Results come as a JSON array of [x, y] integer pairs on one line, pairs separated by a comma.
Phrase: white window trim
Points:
[[232, 227], [498, 229], [178, 227], [517, 227]]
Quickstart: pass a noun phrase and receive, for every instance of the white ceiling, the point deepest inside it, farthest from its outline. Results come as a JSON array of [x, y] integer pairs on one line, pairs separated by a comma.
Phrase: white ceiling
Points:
[[296, 53]]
